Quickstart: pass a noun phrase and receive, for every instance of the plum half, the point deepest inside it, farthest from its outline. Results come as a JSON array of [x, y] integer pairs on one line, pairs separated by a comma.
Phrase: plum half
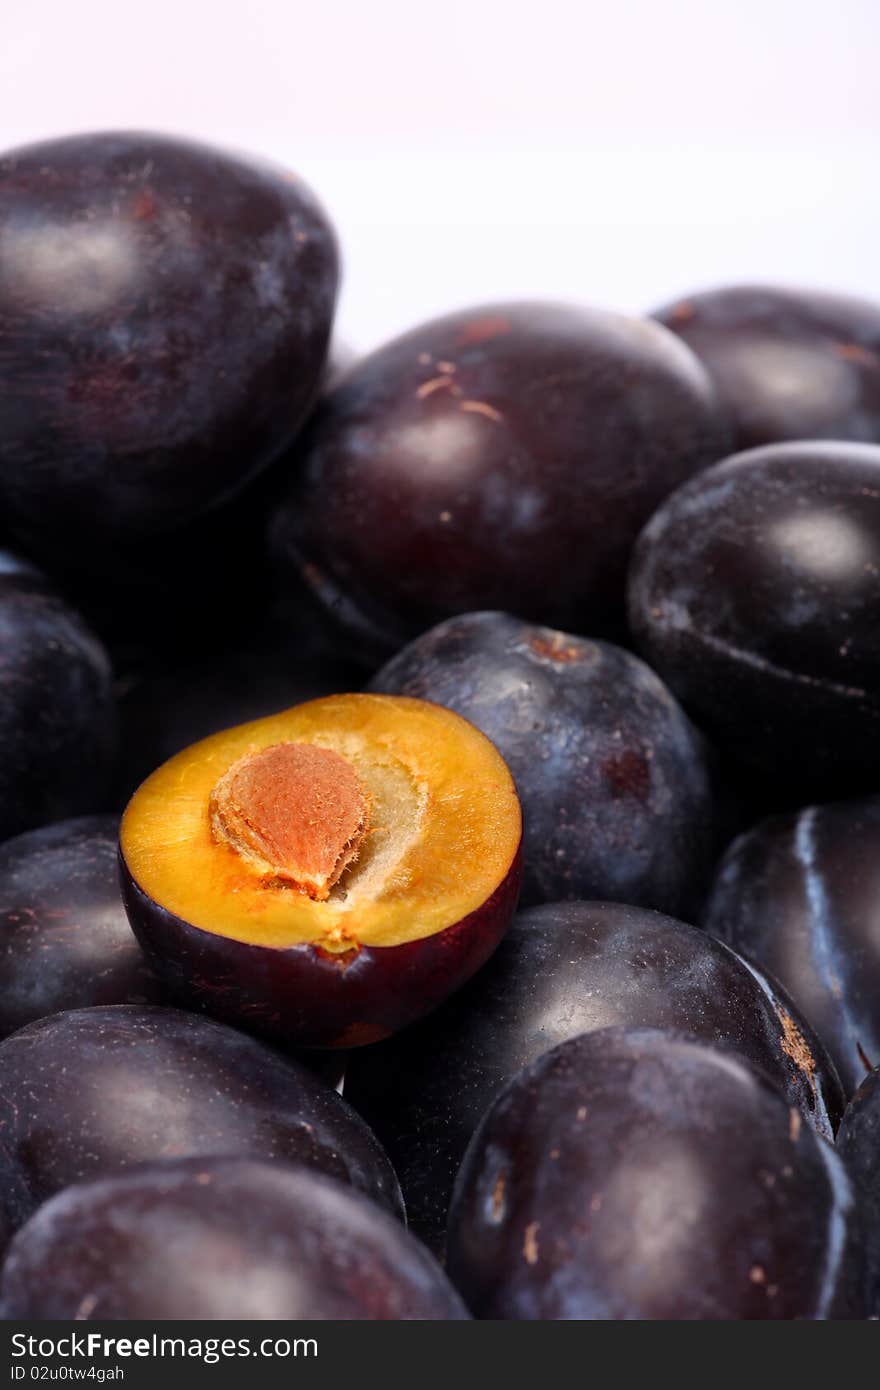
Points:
[[800, 895], [328, 874], [565, 969], [166, 310], [500, 457], [754, 593], [612, 776], [637, 1174], [787, 363], [221, 1239], [57, 716], [65, 941], [92, 1092]]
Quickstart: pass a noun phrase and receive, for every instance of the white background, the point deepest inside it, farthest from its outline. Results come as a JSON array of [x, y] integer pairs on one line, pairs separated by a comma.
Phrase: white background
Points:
[[617, 153]]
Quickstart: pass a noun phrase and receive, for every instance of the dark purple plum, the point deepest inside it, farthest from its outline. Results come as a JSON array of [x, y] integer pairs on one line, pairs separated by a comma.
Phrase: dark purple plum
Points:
[[220, 1239], [800, 895], [166, 310], [754, 592], [57, 716], [858, 1142], [503, 456], [787, 363], [65, 942], [92, 1092], [638, 1174], [612, 777], [565, 969]]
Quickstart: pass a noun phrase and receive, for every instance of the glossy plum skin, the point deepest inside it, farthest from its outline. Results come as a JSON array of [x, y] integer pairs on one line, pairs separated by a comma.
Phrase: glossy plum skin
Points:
[[65, 942], [612, 777], [92, 1092], [302, 996], [754, 593], [638, 1174], [57, 717], [565, 969], [800, 895], [166, 311], [858, 1142], [501, 456], [220, 1239], [787, 363]]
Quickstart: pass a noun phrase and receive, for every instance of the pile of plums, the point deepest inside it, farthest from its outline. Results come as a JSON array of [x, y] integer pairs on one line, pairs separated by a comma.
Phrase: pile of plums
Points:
[[536, 606]]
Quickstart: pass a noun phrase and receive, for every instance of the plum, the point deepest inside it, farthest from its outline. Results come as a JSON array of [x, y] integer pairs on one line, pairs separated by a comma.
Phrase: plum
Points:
[[220, 1238], [787, 363], [754, 593], [858, 1142], [800, 895], [91, 1092], [633, 1173], [166, 310], [565, 969], [328, 874], [65, 942], [500, 456], [57, 715], [613, 779]]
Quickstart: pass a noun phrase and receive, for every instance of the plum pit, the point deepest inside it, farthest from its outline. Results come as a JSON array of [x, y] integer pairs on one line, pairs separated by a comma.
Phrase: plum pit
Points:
[[297, 811]]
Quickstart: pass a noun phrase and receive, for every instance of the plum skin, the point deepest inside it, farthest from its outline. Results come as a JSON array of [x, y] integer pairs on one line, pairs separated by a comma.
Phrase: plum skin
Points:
[[304, 996], [565, 969], [166, 310], [466, 465], [57, 715], [753, 592], [295, 1245], [858, 1142], [632, 1173], [799, 894], [787, 363], [91, 1092], [65, 941], [612, 777]]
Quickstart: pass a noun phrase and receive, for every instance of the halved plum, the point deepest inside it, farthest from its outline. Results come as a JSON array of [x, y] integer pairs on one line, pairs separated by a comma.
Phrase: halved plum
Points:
[[328, 874]]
